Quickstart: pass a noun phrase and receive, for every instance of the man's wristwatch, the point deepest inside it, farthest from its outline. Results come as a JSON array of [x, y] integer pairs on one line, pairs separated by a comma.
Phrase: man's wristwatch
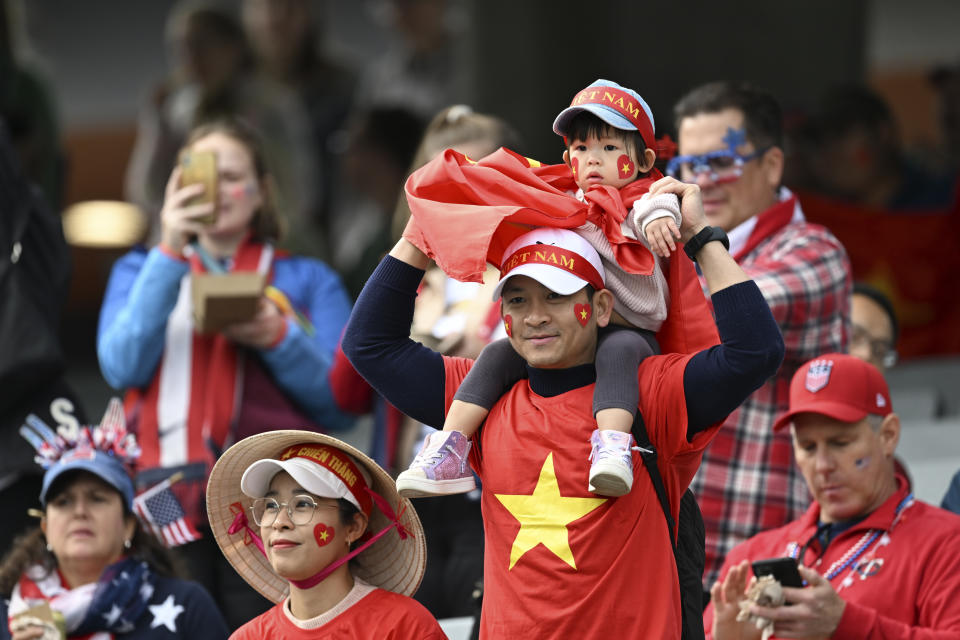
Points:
[[705, 235]]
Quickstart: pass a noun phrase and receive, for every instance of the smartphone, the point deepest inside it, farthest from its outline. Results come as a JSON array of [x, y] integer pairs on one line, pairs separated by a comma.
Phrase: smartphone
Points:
[[201, 167], [783, 569]]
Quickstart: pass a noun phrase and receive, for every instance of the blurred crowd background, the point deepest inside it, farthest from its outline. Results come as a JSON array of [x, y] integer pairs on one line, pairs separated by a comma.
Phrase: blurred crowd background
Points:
[[98, 95]]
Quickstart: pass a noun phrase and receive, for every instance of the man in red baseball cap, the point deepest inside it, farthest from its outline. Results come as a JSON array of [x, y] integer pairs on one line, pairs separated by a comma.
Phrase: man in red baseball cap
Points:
[[876, 561]]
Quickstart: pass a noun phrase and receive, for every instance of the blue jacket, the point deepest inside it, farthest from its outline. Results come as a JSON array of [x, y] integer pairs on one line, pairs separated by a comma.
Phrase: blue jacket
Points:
[[142, 292]]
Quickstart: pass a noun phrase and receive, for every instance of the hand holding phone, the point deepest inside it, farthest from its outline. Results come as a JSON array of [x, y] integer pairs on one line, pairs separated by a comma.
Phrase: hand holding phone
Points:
[[783, 569], [201, 167]]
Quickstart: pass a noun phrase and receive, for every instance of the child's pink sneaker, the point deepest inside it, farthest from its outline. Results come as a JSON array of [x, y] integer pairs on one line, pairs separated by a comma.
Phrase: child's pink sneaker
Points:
[[441, 468], [611, 472]]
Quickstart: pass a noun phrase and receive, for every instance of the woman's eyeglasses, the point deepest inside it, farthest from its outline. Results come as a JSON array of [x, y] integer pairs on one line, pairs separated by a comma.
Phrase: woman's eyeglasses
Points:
[[299, 509]]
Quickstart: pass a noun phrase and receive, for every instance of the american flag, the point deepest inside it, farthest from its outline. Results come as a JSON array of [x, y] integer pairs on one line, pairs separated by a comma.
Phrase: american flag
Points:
[[161, 511]]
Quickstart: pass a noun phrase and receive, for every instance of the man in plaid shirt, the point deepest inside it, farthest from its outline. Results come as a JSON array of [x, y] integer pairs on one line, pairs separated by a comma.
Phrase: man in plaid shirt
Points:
[[730, 141]]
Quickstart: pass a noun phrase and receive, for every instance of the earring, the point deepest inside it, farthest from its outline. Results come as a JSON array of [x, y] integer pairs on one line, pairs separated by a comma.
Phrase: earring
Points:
[[49, 547], [127, 543]]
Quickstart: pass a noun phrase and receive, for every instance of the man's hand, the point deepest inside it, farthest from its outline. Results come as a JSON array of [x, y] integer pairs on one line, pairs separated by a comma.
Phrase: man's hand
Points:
[[406, 251], [263, 331], [661, 234], [692, 217], [814, 611], [725, 598]]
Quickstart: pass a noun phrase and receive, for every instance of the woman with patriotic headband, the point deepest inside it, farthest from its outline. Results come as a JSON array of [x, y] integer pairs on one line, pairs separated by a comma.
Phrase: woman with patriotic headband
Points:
[[90, 570], [317, 527]]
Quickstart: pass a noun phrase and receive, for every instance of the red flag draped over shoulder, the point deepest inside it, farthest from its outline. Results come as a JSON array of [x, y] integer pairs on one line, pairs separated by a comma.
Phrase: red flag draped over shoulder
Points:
[[466, 213]]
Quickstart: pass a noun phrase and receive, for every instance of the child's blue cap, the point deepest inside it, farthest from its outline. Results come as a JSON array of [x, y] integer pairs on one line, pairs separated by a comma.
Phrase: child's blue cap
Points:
[[616, 105]]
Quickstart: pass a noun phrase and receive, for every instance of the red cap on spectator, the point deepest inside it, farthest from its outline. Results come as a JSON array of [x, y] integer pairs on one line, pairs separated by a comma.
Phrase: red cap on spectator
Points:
[[839, 386]]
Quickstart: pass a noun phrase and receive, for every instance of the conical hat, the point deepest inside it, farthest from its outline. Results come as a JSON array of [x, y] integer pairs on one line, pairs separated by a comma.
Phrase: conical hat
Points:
[[391, 563]]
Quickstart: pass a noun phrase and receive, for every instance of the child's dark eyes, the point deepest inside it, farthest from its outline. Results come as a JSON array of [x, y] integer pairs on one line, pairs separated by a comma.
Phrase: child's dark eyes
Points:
[[610, 147]]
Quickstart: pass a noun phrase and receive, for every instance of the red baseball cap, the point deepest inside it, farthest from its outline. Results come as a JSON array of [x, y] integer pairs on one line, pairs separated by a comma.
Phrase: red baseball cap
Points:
[[839, 386]]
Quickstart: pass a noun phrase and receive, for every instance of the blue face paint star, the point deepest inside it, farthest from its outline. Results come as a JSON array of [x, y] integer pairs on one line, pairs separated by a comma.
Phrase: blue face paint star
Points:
[[735, 138]]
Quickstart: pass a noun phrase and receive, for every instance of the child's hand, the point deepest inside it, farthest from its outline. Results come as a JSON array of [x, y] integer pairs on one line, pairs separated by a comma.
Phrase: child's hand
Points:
[[661, 234], [693, 218]]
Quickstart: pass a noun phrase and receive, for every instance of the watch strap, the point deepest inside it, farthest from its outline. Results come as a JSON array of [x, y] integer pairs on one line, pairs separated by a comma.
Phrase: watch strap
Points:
[[705, 235]]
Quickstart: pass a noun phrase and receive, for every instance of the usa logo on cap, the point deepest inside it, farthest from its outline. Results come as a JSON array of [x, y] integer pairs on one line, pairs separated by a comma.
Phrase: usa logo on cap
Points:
[[818, 375]]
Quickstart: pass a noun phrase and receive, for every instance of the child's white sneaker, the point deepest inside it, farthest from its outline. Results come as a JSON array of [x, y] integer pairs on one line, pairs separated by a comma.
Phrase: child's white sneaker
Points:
[[611, 470], [441, 468]]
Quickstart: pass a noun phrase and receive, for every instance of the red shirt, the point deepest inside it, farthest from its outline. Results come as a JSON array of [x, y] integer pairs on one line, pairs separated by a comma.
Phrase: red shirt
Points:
[[380, 615], [561, 562], [905, 584]]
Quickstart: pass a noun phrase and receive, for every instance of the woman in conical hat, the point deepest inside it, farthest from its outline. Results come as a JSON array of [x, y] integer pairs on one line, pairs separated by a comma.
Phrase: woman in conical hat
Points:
[[318, 527]]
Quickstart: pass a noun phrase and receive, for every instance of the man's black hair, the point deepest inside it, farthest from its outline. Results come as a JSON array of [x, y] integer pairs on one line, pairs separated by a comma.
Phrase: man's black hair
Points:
[[863, 289], [762, 117]]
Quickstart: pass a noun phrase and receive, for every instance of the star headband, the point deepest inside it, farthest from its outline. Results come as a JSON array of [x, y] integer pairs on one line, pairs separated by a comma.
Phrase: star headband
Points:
[[68, 441]]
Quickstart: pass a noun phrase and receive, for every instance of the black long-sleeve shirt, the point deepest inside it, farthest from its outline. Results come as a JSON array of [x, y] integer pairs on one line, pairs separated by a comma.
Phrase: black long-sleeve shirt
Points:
[[411, 376]]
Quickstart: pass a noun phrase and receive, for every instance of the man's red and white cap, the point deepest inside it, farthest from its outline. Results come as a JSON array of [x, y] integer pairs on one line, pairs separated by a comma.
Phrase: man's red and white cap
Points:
[[839, 386], [558, 259]]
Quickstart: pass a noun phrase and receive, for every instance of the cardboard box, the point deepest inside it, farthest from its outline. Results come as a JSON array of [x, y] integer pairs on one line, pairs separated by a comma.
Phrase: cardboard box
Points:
[[221, 299]]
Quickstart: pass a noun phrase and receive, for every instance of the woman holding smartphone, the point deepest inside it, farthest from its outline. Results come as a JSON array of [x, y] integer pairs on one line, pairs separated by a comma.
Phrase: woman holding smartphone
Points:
[[191, 394]]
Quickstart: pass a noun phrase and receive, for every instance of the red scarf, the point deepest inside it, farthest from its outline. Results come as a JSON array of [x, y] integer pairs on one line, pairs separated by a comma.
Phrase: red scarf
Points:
[[195, 390], [768, 223]]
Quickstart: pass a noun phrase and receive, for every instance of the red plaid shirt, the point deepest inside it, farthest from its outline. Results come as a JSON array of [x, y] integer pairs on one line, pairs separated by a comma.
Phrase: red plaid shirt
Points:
[[748, 481]]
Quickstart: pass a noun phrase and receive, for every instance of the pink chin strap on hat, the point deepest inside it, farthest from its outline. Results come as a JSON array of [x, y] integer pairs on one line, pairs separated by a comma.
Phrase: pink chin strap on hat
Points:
[[241, 523]]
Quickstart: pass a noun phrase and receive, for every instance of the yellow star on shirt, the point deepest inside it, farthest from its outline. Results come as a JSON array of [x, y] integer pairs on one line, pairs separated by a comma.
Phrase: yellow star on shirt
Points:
[[544, 516]]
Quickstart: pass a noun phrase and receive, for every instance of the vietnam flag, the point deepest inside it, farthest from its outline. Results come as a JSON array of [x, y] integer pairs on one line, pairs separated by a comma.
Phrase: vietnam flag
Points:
[[913, 257], [465, 214]]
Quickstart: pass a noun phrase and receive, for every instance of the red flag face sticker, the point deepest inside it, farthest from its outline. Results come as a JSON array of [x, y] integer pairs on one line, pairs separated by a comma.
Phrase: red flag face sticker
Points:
[[508, 325], [324, 534], [575, 167], [583, 313], [625, 167]]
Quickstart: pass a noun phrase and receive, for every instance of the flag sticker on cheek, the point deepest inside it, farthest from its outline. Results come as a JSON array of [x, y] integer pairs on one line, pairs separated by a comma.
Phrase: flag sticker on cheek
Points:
[[575, 166], [625, 166], [240, 192], [583, 313], [508, 325], [324, 534]]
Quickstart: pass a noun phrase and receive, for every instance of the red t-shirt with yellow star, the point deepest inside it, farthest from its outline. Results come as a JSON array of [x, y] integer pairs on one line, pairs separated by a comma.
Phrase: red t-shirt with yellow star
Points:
[[560, 561]]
